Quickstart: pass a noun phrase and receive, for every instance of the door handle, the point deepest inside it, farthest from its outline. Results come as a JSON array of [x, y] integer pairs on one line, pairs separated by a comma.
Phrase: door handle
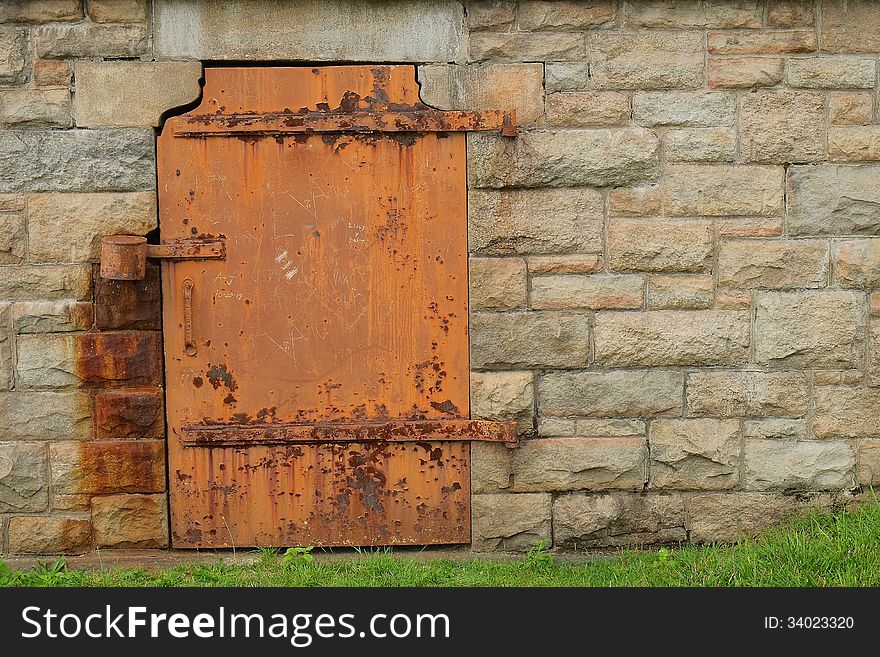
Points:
[[189, 345]]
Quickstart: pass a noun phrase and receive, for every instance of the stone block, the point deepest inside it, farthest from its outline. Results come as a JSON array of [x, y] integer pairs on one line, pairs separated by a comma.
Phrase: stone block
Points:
[[130, 521], [507, 522], [118, 11], [13, 238], [761, 42], [845, 72], [49, 282], [565, 15], [869, 462], [645, 59], [849, 26], [737, 394], [685, 14], [529, 47], [782, 126], [833, 200], [24, 484], [701, 454], [58, 41], [52, 316], [49, 535], [773, 264], [854, 143], [129, 304], [846, 412], [680, 292], [592, 291], [744, 72], [790, 13], [657, 245], [583, 109], [810, 465], [850, 108], [491, 467], [684, 108], [129, 414], [40, 11], [489, 14], [503, 396], [621, 393], [530, 339], [34, 108], [102, 467], [700, 145], [857, 263], [45, 415], [497, 283], [13, 54]]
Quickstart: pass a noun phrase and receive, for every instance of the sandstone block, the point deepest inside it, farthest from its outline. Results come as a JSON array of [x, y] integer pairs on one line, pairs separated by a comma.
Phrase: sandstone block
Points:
[[850, 108], [554, 464], [680, 292], [854, 143], [6, 365], [776, 428], [678, 13], [694, 454], [129, 414], [485, 87], [846, 412], [869, 462], [503, 396], [34, 108], [830, 72], [595, 291], [820, 329], [645, 59], [564, 158], [833, 200], [582, 520], [45, 415], [509, 522], [782, 127], [658, 245], [488, 14], [588, 109], [116, 159], [684, 108], [623, 393], [24, 485], [857, 263], [700, 145], [129, 304], [536, 15], [13, 238], [798, 465], [849, 27], [143, 91], [49, 535], [52, 73], [529, 47], [497, 283], [873, 373], [46, 282], [671, 337], [540, 221], [51, 316], [565, 264], [778, 264], [761, 42], [13, 58], [491, 467], [566, 76], [40, 11], [118, 11], [69, 227], [530, 339], [130, 521], [91, 40], [101, 467], [744, 72], [790, 13], [734, 394]]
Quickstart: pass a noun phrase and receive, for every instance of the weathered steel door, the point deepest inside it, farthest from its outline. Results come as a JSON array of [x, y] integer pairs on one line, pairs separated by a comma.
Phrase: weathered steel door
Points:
[[317, 376]]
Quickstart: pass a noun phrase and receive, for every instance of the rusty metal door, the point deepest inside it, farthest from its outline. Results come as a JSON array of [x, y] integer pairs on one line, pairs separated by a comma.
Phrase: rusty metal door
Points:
[[317, 373]]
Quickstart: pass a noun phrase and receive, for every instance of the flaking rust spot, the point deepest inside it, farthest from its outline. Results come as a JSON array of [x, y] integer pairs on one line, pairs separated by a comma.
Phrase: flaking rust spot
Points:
[[218, 376]]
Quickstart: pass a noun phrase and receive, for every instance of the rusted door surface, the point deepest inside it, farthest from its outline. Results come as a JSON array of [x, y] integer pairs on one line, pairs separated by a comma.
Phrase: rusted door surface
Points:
[[317, 376]]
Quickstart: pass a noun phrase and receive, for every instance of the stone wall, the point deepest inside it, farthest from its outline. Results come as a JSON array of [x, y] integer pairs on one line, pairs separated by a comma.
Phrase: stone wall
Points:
[[674, 273]]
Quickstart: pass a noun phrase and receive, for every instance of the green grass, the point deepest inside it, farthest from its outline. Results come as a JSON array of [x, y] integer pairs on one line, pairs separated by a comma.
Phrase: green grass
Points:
[[839, 549]]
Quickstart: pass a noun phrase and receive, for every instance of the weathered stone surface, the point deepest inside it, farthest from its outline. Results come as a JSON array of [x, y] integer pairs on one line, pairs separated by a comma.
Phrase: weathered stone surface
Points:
[[645, 59], [798, 465], [129, 414], [850, 108], [35, 108], [101, 467], [6, 374], [734, 394], [487, 14], [778, 264], [583, 520], [130, 521], [45, 415], [49, 535], [869, 462], [594, 291], [732, 516], [749, 226], [554, 464], [671, 337], [491, 467], [485, 87], [744, 72], [822, 329], [129, 304], [509, 522], [583, 109], [833, 200], [497, 283], [846, 412], [760, 42], [694, 454], [659, 245], [51, 73], [781, 127], [682, 13], [537, 221], [733, 299], [69, 227], [684, 108], [118, 11], [566, 76], [23, 480], [46, 282], [830, 72], [520, 46], [13, 238], [565, 264], [849, 26], [874, 303], [51, 316], [91, 360], [609, 428], [143, 91], [13, 58], [873, 373], [64, 502], [40, 11], [313, 30], [116, 159], [91, 40], [848, 377], [564, 158], [629, 393], [503, 396], [530, 339], [776, 428], [691, 190], [536, 15], [857, 263], [680, 292], [700, 145], [790, 13], [854, 143]]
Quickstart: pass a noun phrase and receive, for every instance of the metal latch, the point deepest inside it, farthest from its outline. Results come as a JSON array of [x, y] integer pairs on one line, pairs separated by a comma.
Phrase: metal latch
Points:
[[124, 257]]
